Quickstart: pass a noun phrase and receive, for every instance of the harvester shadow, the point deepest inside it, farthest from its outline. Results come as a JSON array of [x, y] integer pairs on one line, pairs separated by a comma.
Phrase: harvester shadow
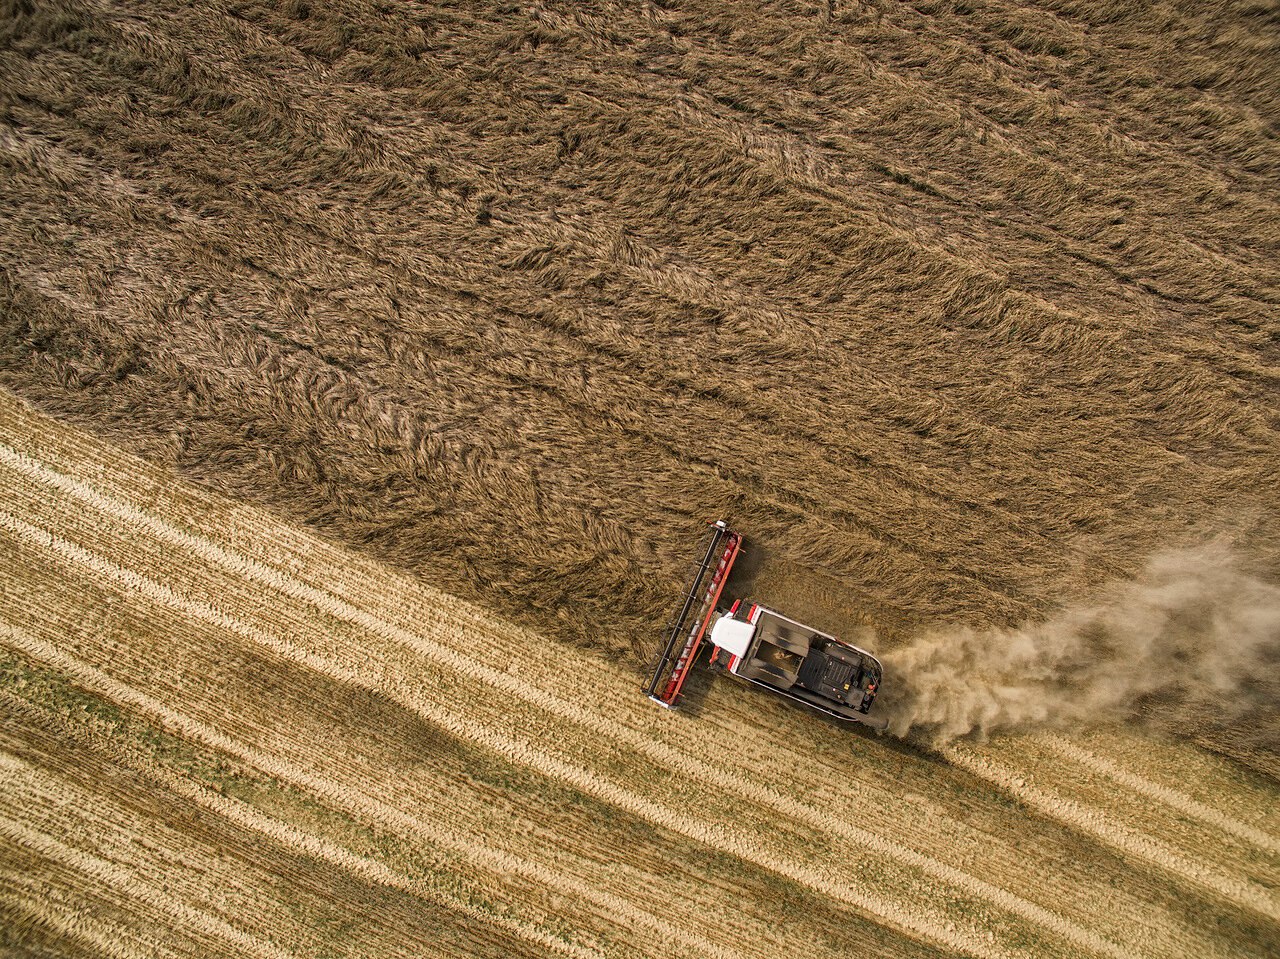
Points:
[[697, 686], [746, 569], [697, 689]]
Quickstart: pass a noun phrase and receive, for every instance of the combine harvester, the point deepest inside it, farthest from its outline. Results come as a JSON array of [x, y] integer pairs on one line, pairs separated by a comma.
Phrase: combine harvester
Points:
[[762, 647]]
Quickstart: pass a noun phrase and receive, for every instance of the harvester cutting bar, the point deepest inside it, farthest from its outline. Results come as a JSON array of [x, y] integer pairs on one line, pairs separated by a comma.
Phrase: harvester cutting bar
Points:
[[719, 558], [676, 629]]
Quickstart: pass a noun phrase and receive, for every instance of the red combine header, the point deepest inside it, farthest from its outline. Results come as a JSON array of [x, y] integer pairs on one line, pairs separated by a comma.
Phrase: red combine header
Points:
[[760, 646]]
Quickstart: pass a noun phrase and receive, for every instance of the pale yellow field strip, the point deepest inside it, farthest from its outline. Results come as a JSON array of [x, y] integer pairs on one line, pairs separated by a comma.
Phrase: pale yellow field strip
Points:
[[1175, 800], [1185, 869], [361, 778], [641, 739], [25, 788], [1135, 810], [33, 897], [349, 593], [1204, 777], [282, 833], [509, 685], [823, 878], [205, 895], [250, 894], [435, 833], [645, 744], [1096, 823], [542, 700], [35, 889]]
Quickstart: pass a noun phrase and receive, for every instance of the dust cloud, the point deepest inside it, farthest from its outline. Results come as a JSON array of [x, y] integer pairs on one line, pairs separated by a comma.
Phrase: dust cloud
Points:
[[1192, 642]]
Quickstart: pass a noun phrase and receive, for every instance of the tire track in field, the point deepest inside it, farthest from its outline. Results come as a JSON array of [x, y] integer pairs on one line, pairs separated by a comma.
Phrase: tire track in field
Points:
[[27, 891], [823, 185], [1095, 823], [483, 857], [19, 781], [638, 740], [510, 685], [1171, 798], [220, 870], [338, 794], [252, 819]]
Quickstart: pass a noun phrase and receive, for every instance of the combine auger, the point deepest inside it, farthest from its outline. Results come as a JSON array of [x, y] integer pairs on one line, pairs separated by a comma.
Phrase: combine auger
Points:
[[759, 646]]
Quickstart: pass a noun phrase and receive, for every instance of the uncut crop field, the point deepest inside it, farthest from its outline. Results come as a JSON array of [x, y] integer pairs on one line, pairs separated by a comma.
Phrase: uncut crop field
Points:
[[955, 309], [368, 372]]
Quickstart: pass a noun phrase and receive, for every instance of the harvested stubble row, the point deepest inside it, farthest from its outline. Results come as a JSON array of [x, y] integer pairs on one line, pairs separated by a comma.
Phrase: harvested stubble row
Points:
[[264, 744]]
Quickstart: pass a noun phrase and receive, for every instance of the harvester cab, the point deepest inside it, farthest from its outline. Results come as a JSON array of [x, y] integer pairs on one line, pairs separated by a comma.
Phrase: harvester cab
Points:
[[760, 646]]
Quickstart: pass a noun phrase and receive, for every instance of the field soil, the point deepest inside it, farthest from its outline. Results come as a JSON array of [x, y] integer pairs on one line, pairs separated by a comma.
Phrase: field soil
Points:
[[222, 735], [369, 371]]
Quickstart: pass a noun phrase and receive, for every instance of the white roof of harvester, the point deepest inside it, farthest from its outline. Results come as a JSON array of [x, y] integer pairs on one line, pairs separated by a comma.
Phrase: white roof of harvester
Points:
[[732, 634]]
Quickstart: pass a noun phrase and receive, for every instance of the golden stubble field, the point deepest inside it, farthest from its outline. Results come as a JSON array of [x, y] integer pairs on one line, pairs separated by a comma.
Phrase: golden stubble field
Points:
[[964, 312], [222, 735]]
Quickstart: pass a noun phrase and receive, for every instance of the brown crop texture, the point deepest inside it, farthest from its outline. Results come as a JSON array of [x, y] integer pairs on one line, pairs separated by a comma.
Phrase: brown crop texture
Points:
[[957, 309]]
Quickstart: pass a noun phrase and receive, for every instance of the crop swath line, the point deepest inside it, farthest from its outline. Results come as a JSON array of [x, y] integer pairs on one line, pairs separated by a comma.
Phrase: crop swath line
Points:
[[22, 912], [368, 807], [661, 753], [1238, 892], [302, 750], [433, 834], [714, 836], [15, 775], [482, 857], [357, 588], [1171, 798], [307, 557], [508, 685], [254, 820]]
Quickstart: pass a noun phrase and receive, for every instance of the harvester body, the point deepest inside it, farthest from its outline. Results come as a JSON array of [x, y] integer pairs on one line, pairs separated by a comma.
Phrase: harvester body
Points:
[[762, 647], [797, 661]]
